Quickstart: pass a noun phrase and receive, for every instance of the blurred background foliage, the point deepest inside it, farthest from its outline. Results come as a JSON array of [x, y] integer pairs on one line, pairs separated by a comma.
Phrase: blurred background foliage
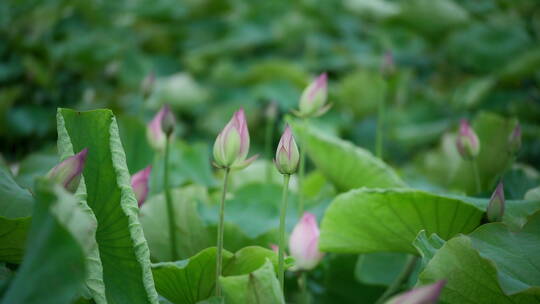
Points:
[[451, 59], [433, 62]]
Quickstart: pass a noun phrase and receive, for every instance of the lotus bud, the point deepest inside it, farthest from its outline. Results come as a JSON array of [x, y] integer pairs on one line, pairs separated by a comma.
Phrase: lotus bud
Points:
[[428, 294], [168, 122], [287, 156], [147, 84], [155, 130], [69, 171], [495, 209], [232, 144], [304, 243], [313, 99], [514, 140], [467, 142], [139, 183], [274, 247]]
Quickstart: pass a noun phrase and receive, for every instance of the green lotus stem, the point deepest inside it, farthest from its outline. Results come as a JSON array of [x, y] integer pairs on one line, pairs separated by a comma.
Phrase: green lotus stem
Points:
[[281, 250], [380, 125], [400, 280], [301, 172], [302, 284], [219, 256], [168, 199], [476, 176]]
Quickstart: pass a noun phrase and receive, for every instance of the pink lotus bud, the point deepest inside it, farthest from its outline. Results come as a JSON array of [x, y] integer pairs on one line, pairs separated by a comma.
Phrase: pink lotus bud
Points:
[[467, 142], [428, 294], [232, 144], [514, 140], [495, 209], [155, 130], [304, 243], [69, 171], [287, 156], [139, 183], [313, 99]]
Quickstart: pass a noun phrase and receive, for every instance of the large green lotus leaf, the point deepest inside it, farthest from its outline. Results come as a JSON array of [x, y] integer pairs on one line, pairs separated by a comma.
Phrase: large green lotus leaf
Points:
[[427, 246], [193, 280], [254, 208], [370, 220], [235, 238], [259, 287], [446, 167], [516, 254], [521, 66], [472, 278], [191, 234], [139, 154], [53, 269], [15, 216], [122, 247], [345, 165]]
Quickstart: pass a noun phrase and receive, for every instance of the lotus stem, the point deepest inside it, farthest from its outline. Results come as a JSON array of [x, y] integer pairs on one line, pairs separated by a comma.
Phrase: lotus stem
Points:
[[168, 199], [219, 256], [282, 217]]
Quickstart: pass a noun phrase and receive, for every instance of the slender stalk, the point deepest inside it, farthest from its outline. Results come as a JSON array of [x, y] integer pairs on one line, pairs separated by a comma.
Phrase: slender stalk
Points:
[[283, 214], [268, 138], [168, 199], [302, 284], [400, 280], [476, 176], [301, 173], [219, 256], [380, 125]]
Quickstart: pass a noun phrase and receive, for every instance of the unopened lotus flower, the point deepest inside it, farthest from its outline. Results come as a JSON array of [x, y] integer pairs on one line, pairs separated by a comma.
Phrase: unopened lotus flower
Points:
[[304, 243], [232, 144], [467, 141], [69, 171], [156, 130], [139, 183], [428, 294], [495, 209], [313, 99], [514, 140], [287, 155]]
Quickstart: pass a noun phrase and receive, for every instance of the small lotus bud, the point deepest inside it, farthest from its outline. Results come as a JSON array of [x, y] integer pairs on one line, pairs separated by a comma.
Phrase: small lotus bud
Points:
[[147, 84], [514, 140], [274, 247], [287, 156], [467, 142], [155, 132], [232, 144], [304, 243], [428, 294], [168, 122], [139, 183], [69, 171], [313, 99], [495, 209]]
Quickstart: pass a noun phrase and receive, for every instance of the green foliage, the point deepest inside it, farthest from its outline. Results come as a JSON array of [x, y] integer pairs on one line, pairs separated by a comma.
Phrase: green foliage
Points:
[[57, 243], [15, 210], [492, 265], [120, 239], [193, 280], [371, 220]]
